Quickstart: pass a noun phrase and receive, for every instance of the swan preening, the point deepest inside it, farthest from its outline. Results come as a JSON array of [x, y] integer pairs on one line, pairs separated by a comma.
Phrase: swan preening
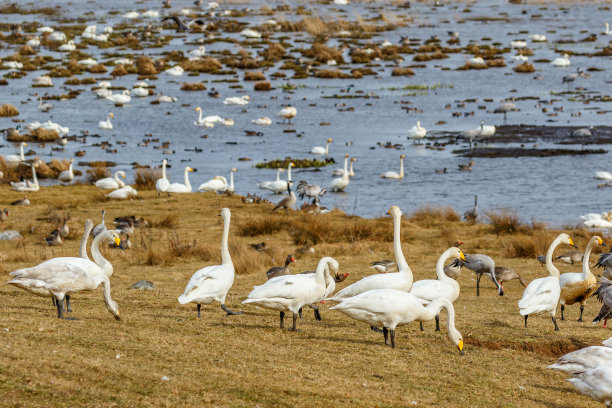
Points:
[[212, 283], [111, 182], [219, 184], [322, 151], [542, 294]]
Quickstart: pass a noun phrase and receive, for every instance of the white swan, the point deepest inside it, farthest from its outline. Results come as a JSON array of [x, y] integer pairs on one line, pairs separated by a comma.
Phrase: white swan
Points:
[[198, 52], [14, 158], [212, 283], [120, 99], [61, 130], [289, 293], [69, 47], [60, 281], [210, 121], [27, 185], [476, 62], [340, 183], [585, 358], [542, 294], [140, 92], [162, 184], [394, 175], [106, 124], [322, 151], [280, 186], [176, 70], [417, 132], [235, 100], [561, 61], [537, 38], [401, 280], [13, 64], [596, 383], [250, 33], [594, 220], [57, 36], [578, 287], [340, 172], [287, 113], [181, 188], [518, 44], [486, 130], [219, 184], [263, 121], [266, 184], [390, 308], [131, 15], [111, 182], [123, 193], [603, 175], [607, 29], [66, 176], [150, 13]]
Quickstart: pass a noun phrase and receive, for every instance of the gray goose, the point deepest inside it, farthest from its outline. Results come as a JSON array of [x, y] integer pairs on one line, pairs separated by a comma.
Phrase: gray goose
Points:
[[281, 270]]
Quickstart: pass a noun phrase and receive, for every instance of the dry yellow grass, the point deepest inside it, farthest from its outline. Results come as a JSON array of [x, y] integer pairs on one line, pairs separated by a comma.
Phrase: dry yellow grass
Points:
[[246, 360]]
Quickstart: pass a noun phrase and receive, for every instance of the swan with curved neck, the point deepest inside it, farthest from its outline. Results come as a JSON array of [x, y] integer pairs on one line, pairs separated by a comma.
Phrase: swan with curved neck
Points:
[[60, 279], [219, 184], [67, 176], [83, 245], [390, 308], [181, 188], [27, 185], [542, 294], [111, 182], [324, 151], [401, 280], [14, 158], [340, 183], [212, 283], [289, 293], [394, 175], [578, 287], [266, 184]]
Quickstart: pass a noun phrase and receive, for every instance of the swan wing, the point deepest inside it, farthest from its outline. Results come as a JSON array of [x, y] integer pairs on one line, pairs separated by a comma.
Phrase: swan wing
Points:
[[209, 280], [430, 289], [387, 281], [543, 297]]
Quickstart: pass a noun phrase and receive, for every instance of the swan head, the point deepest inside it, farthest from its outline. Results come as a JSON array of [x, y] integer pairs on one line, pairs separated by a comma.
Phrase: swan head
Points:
[[189, 169], [457, 338], [597, 239], [71, 161], [281, 170], [111, 236], [292, 164], [565, 239], [225, 214], [113, 307], [24, 144], [246, 97], [346, 155], [395, 211], [403, 156], [165, 161], [330, 140], [234, 169], [566, 56], [110, 115], [330, 263], [198, 109]]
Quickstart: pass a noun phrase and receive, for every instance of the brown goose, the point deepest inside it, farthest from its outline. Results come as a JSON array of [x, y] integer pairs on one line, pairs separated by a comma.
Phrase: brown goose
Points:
[[54, 239], [288, 201], [281, 270], [3, 216], [504, 274], [571, 257], [25, 201]]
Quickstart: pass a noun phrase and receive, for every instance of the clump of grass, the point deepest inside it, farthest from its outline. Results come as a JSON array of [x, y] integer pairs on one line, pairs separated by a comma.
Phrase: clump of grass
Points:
[[193, 86], [261, 225], [170, 221], [145, 179], [145, 66], [431, 215], [119, 70], [331, 74], [8, 110], [96, 173], [254, 76], [402, 71], [43, 135], [97, 69], [525, 67], [496, 63], [509, 222], [273, 53], [206, 65], [299, 163], [262, 86], [323, 53], [26, 50], [421, 57]]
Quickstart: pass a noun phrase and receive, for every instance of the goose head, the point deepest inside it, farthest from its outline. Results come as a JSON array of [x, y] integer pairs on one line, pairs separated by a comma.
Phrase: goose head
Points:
[[289, 259]]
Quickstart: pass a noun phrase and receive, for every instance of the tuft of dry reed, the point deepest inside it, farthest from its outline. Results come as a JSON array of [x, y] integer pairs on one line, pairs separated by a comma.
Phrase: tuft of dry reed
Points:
[[145, 179], [254, 76], [429, 215], [525, 67], [8, 110], [262, 86], [402, 71], [170, 221], [193, 86]]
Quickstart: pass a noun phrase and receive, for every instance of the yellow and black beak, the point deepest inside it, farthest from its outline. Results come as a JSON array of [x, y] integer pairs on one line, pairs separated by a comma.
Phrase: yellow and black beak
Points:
[[462, 256], [460, 347], [117, 241], [572, 243]]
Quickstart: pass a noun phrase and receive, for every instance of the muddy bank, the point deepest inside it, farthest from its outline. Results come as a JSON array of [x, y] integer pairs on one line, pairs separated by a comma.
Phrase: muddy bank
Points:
[[492, 152]]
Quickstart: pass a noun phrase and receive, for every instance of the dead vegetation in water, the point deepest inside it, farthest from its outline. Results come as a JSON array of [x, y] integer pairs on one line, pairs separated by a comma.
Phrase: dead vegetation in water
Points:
[[402, 71], [323, 53], [254, 76], [525, 67], [8, 110], [193, 86]]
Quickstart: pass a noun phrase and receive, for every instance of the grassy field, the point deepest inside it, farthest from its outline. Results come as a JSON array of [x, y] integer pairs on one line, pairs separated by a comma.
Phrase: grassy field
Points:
[[160, 354]]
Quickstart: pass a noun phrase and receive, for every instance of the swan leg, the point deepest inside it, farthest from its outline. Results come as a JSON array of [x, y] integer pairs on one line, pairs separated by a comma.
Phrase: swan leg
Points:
[[581, 310], [421, 325], [317, 314], [229, 312], [300, 312], [282, 320], [294, 328], [526, 316], [438, 323], [555, 322], [392, 338], [386, 334], [199, 307], [68, 307], [60, 310], [562, 309], [478, 276]]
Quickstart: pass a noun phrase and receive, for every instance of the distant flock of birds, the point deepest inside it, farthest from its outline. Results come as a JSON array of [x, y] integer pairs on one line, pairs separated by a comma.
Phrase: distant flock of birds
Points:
[[383, 301]]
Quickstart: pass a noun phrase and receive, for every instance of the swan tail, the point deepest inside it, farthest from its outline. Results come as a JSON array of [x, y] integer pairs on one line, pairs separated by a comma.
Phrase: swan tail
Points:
[[183, 299]]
